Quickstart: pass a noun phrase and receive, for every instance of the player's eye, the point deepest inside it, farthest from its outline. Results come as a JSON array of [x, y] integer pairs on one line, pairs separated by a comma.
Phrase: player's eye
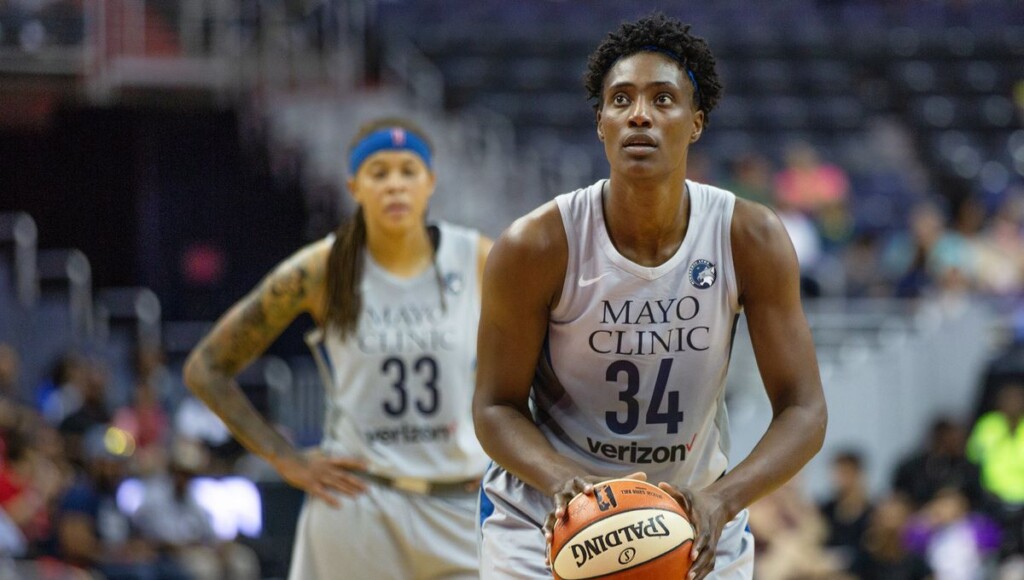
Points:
[[663, 99], [620, 99]]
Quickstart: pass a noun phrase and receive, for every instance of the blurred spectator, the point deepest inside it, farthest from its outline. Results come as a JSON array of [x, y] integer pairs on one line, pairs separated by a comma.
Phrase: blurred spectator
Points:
[[92, 412], [151, 368], [917, 260], [12, 544], [942, 463], [1005, 367], [194, 420], [92, 533], [996, 444], [817, 189], [790, 534], [861, 265], [15, 412], [147, 422], [750, 177], [806, 183], [171, 518], [883, 553], [806, 243], [999, 249], [29, 484], [846, 512], [957, 543], [62, 394], [10, 376]]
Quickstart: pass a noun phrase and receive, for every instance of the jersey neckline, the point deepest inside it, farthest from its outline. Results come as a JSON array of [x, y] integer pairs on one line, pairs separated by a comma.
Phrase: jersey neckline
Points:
[[624, 263]]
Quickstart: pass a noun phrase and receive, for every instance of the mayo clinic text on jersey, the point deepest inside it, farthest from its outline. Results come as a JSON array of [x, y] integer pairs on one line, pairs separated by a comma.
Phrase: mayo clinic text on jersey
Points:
[[650, 341]]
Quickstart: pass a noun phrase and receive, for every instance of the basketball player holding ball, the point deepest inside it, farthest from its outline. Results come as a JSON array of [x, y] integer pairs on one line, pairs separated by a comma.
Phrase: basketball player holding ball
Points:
[[392, 489], [608, 320]]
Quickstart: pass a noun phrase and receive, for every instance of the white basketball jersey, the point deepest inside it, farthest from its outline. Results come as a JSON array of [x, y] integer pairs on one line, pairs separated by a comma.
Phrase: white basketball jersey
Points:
[[632, 374], [403, 382]]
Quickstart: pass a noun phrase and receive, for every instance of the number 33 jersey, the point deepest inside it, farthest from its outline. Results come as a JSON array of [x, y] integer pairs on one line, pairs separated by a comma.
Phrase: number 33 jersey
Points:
[[403, 382], [632, 373]]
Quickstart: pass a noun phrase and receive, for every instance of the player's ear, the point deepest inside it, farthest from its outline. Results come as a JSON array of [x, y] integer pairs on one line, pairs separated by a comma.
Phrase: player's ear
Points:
[[698, 126], [600, 130], [350, 184]]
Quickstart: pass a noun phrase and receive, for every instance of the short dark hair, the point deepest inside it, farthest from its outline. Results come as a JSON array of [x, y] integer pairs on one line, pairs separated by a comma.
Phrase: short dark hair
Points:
[[666, 35]]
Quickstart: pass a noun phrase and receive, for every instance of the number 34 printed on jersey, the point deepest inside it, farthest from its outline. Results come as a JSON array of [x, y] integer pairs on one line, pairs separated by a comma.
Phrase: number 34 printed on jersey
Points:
[[426, 397], [628, 370]]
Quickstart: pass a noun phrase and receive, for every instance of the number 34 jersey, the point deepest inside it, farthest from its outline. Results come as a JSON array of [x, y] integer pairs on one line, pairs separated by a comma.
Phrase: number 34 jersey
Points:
[[403, 382], [632, 373]]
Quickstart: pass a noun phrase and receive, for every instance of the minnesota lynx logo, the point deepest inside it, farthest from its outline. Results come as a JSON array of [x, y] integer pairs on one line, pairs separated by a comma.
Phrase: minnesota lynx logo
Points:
[[702, 274]]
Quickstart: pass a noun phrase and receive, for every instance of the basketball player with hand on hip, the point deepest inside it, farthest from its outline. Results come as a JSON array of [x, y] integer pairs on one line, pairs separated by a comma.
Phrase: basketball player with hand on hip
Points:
[[608, 320], [392, 489]]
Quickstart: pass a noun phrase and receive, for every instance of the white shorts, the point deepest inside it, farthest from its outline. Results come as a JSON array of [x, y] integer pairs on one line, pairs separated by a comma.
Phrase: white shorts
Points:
[[512, 543], [387, 534]]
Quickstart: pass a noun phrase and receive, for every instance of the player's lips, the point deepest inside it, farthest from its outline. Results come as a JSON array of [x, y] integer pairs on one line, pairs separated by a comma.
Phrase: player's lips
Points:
[[396, 209], [639, 142]]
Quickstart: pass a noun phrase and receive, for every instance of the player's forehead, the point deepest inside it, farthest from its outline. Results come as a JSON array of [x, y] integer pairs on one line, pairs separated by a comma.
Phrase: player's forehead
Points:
[[392, 158], [645, 69]]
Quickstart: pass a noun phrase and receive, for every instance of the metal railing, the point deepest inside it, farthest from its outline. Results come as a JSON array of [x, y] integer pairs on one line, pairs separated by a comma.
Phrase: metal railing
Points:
[[70, 270], [222, 45], [18, 231], [138, 306]]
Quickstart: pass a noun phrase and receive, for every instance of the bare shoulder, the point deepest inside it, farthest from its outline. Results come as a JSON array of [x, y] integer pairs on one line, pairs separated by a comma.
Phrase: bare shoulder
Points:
[[755, 223], [538, 231], [533, 248], [538, 238], [300, 277], [761, 248]]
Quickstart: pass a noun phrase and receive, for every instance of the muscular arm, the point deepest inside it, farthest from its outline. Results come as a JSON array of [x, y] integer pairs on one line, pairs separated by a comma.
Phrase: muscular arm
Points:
[[768, 274], [522, 281], [244, 333]]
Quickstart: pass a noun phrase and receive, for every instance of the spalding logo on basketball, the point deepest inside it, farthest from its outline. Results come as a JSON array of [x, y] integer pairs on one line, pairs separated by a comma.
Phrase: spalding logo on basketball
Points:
[[626, 530]]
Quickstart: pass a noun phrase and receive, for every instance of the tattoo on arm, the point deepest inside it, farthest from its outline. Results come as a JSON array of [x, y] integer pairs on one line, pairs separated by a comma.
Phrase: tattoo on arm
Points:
[[238, 338]]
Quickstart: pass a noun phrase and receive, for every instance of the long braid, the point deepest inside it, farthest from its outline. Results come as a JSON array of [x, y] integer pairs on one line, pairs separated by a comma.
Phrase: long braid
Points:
[[343, 299]]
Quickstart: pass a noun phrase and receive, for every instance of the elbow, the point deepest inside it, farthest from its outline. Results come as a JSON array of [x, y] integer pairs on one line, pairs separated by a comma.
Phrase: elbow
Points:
[[480, 420], [194, 372], [819, 426]]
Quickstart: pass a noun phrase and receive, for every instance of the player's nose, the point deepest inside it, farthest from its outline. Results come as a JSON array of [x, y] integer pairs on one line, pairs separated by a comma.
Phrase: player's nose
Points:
[[639, 114]]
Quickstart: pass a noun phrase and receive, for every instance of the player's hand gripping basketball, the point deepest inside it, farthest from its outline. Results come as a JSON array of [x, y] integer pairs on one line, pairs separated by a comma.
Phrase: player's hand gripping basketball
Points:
[[570, 489], [708, 516], [322, 476]]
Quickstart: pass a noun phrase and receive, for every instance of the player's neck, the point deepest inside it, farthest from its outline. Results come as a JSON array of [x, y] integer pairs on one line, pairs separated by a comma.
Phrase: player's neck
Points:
[[404, 255], [647, 220]]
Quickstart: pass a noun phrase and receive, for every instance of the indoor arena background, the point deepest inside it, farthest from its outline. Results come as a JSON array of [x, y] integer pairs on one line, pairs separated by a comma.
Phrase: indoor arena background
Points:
[[157, 157]]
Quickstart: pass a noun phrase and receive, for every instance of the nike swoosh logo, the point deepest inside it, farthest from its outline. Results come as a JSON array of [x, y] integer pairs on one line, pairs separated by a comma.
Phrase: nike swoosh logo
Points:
[[584, 282]]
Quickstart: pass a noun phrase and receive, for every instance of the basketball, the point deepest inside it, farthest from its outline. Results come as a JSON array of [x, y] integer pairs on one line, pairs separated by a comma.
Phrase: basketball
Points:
[[628, 530]]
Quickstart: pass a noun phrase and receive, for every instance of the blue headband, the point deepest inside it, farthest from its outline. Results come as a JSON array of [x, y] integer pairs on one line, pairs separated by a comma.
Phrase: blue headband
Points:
[[681, 61], [394, 138]]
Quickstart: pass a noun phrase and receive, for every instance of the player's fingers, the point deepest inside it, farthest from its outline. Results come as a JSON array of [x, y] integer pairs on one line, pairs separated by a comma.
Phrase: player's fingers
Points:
[[347, 485], [582, 486], [683, 499], [549, 524], [548, 536], [348, 463], [639, 476], [703, 556], [702, 566], [320, 492], [343, 477]]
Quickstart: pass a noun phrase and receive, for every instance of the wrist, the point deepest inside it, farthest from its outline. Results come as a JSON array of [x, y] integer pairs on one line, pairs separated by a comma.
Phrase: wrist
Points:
[[557, 475], [285, 459]]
